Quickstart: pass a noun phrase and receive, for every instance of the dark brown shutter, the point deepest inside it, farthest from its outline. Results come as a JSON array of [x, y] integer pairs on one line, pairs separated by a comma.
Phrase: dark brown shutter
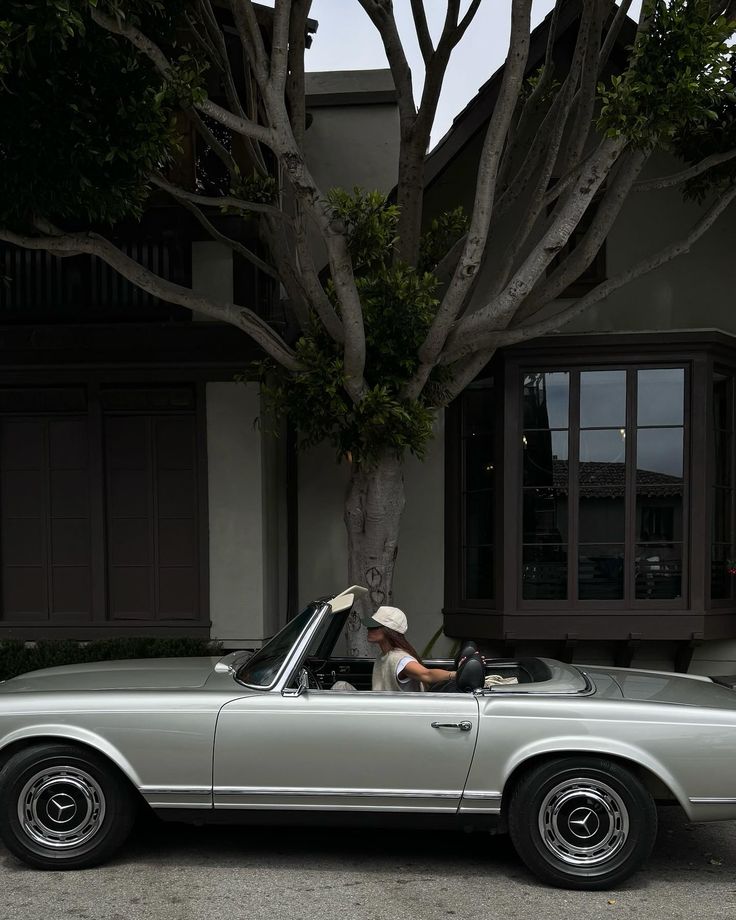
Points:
[[151, 486], [44, 511]]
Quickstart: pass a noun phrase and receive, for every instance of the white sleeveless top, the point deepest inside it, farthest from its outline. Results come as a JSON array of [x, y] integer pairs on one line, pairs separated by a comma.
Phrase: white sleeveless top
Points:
[[386, 669]]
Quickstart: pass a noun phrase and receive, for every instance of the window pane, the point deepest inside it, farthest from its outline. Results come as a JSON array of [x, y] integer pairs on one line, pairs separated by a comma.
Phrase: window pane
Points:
[[721, 580], [603, 399], [479, 572], [479, 518], [602, 450], [546, 400], [544, 572], [658, 518], [659, 458], [661, 396], [658, 571], [478, 411], [545, 516], [601, 572], [601, 514], [479, 466], [545, 458]]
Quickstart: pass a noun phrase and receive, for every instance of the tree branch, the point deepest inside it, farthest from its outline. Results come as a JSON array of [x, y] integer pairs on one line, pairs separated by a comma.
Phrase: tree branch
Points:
[[477, 236], [216, 234], [150, 49], [585, 251], [295, 80], [221, 152], [249, 31], [280, 46], [612, 35], [715, 159], [225, 201], [422, 30], [492, 317], [643, 267], [222, 58], [96, 245]]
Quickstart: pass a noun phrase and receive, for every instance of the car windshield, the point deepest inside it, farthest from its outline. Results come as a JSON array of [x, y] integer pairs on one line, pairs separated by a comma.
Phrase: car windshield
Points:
[[262, 669]]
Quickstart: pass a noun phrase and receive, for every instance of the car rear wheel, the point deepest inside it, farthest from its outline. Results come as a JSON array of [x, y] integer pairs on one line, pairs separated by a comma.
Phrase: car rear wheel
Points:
[[586, 823], [63, 808]]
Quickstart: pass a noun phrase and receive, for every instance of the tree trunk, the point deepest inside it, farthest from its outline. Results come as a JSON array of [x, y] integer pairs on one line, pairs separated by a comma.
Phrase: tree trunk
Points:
[[373, 507]]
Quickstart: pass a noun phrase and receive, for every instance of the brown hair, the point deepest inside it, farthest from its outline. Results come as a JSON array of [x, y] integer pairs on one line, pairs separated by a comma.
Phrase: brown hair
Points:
[[398, 640]]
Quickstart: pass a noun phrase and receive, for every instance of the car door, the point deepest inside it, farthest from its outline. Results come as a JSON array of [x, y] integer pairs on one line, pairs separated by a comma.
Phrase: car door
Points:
[[345, 751]]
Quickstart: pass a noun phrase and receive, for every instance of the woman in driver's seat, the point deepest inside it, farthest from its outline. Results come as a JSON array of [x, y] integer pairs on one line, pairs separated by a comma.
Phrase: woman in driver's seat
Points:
[[398, 666]]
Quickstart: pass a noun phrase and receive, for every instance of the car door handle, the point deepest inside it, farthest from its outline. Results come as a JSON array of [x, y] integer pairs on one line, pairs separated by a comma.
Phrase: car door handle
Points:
[[462, 726]]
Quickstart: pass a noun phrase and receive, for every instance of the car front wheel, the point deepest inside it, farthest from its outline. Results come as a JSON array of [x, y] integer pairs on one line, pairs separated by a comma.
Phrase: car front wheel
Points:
[[586, 823], [63, 808]]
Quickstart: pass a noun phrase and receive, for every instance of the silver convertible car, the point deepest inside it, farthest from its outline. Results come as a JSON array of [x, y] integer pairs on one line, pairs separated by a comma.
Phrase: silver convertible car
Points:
[[569, 760]]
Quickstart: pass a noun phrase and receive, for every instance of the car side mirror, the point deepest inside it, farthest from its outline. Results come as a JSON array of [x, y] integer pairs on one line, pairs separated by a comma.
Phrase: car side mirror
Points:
[[302, 684]]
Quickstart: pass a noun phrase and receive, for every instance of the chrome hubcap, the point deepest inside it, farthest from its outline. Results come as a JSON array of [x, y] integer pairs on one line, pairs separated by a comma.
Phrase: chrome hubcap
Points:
[[583, 822], [61, 807]]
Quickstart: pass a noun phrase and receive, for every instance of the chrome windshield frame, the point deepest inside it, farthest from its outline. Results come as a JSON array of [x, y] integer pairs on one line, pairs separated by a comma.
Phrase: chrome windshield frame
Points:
[[295, 652]]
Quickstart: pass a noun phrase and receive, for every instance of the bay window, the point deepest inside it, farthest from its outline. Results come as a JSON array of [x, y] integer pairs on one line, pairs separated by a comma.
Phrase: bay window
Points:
[[591, 489]]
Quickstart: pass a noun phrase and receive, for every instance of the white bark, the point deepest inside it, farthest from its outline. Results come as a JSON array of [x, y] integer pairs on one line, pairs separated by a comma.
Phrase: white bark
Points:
[[373, 508]]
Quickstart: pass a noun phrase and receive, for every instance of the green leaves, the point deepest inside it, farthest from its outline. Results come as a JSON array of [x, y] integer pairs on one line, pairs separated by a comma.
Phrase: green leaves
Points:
[[678, 76], [399, 303], [83, 117]]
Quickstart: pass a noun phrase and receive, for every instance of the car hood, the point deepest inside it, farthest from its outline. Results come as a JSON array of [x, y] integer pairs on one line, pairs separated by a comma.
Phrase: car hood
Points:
[[666, 687], [133, 674]]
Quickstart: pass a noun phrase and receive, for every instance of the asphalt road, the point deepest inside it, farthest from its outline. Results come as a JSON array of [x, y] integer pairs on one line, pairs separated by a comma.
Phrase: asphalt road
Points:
[[173, 872]]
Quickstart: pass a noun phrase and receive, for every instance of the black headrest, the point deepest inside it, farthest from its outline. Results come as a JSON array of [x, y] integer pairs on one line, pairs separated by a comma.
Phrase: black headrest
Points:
[[470, 674], [467, 649]]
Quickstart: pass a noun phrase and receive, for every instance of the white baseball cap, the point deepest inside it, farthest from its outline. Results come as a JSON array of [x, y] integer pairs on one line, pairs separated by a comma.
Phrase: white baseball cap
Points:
[[390, 617]]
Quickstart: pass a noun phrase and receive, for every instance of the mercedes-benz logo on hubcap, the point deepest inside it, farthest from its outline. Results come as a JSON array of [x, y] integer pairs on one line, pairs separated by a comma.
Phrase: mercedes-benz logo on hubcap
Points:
[[584, 823], [61, 808]]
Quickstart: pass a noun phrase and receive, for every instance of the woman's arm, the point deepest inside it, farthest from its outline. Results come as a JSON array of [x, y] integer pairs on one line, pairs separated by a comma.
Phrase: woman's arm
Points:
[[426, 676]]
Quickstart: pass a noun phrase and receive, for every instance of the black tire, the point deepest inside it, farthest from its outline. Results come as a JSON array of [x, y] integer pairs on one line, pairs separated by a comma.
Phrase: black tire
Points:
[[62, 807], [584, 823]]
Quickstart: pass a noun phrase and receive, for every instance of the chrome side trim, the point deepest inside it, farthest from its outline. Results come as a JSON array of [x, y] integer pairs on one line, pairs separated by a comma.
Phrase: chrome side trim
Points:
[[491, 810], [481, 803], [176, 790], [708, 800], [321, 791]]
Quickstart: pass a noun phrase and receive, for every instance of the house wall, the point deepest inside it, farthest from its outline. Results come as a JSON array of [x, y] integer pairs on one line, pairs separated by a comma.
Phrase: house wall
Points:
[[242, 550]]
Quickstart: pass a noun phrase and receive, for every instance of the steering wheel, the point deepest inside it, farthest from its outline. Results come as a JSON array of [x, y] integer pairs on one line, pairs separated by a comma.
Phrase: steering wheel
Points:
[[313, 679]]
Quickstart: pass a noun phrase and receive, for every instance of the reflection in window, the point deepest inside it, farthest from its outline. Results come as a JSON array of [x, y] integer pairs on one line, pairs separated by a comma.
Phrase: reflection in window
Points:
[[545, 485], [479, 477], [659, 483], [722, 549], [601, 477], [627, 520]]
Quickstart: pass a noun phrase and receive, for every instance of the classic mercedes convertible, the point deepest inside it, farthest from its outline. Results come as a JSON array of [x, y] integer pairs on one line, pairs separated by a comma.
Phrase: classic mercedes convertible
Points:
[[569, 760]]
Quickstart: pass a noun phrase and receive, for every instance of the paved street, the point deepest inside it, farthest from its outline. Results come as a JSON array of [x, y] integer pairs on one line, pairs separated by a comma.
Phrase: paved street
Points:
[[182, 873]]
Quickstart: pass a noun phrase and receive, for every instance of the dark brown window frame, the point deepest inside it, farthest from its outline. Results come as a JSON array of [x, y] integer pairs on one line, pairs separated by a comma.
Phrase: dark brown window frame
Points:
[[693, 617], [101, 625]]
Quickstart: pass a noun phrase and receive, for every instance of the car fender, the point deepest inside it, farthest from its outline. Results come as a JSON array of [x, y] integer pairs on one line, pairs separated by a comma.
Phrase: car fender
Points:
[[574, 745], [56, 732]]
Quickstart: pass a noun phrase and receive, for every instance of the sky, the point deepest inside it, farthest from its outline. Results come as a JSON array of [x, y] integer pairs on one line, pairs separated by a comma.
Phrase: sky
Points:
[[347, 40]]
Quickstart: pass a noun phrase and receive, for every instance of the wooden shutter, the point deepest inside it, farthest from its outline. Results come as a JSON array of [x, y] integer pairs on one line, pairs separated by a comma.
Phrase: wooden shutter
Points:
[[45, 519], [151, 494]]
